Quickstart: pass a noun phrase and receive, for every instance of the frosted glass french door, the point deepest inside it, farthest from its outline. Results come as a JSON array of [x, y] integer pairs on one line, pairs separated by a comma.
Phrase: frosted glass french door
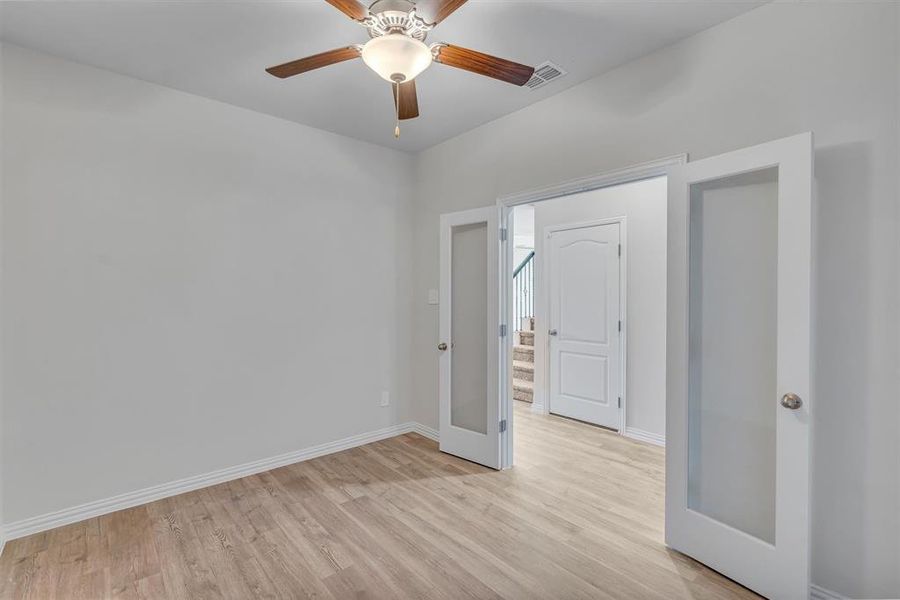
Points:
[[738, 364], [469, 346]]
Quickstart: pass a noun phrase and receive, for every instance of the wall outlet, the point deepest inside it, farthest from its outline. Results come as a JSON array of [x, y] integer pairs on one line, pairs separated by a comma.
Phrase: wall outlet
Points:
[[385, 398]]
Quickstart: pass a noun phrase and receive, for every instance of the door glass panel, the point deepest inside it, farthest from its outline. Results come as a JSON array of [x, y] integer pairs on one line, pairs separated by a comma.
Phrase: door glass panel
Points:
[[732, 351], [468, 327]]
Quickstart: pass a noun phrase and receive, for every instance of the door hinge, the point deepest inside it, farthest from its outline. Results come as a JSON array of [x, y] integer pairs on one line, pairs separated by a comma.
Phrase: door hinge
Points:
[[620, 326], [502, 425], [503, 330], [503, 234], [620, 401], [620, 249]]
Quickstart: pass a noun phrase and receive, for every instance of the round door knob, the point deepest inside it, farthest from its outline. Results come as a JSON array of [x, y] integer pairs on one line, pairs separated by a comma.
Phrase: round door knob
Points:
[[442, 346], [791, 401], [552, 332]]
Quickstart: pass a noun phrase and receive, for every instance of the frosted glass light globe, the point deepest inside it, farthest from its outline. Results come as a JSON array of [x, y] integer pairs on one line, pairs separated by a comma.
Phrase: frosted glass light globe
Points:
[[396, 57]]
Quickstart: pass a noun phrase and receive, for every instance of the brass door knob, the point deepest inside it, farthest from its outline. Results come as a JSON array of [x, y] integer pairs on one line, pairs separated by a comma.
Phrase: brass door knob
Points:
[[442, 346]]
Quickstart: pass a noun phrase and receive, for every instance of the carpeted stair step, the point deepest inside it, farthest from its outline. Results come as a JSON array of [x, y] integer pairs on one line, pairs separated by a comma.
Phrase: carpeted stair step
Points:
[[523, 353], [523, 370], [526, 338], [523, 390]]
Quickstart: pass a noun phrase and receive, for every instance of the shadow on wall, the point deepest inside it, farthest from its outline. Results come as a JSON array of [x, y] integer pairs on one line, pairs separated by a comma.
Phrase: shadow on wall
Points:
[[854, 340]]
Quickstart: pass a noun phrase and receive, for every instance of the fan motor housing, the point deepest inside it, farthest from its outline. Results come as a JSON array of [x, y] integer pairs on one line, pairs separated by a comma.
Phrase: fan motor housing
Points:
[[395, 16]]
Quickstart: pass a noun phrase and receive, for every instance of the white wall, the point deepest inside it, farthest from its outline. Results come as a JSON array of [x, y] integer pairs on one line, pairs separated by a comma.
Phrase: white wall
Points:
[[643, 204], [784, 68], [187, 285], [2, 531], [523, 234]]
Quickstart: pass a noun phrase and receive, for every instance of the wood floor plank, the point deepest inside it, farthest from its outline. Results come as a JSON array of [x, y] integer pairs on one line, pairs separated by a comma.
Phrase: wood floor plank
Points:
[[581, 516], [519, 535]]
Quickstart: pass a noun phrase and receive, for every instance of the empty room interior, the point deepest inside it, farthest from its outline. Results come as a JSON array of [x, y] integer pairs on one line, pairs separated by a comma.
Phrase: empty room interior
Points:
[[446, 299]]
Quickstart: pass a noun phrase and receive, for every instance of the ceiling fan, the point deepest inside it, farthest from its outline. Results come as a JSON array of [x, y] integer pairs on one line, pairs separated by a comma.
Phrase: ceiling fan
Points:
[[398, 53]]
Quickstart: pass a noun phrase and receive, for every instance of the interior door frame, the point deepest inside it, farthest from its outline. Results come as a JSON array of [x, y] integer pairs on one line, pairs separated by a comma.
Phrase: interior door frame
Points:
[[506, 204], [623, 311]]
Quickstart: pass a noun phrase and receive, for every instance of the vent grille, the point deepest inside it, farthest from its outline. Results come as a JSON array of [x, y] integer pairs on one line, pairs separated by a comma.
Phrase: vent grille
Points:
[[544, 74]]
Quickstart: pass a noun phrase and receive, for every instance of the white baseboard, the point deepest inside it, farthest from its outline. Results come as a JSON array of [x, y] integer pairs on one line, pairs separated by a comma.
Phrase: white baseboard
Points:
[[429, 432], [645, 436], [96, 508], [537, 408], [820, 593]]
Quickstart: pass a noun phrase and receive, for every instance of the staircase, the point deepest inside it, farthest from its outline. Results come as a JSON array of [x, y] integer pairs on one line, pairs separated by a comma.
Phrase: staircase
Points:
[[523, 362]]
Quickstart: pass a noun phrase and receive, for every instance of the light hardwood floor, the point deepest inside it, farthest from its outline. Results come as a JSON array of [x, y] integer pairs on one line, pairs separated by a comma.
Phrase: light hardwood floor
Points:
[[580, 516]]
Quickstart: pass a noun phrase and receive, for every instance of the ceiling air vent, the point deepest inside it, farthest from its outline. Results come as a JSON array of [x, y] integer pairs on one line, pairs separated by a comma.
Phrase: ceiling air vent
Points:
[[544, 74]]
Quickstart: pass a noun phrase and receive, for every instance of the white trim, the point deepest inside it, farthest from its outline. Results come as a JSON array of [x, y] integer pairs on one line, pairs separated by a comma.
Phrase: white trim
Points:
[[426, 431], [507, 265], [645, 436], [819, 593], [647, 170], [96, 508], [638, 172]]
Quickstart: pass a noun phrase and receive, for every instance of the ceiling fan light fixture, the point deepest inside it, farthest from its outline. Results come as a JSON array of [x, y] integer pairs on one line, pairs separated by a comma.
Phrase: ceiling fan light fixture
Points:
[[397, 52], [396, 57]]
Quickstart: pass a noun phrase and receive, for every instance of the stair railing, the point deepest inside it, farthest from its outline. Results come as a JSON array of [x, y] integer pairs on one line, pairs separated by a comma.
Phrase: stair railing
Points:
[[523, 291]]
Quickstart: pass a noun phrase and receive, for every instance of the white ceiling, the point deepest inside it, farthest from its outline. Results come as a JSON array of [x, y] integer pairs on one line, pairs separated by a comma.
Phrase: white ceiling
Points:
[[219, 49]]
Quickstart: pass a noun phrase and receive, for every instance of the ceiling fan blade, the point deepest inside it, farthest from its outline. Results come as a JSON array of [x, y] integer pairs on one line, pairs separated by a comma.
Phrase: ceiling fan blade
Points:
[[409, 100], [295, 67], [483, 64], [435, 11], [352, 8]]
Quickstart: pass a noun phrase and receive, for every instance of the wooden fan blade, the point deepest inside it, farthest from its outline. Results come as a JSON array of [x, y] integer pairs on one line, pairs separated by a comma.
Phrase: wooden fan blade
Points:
[[435, 11], [484, 64], [409, 100], [295, 67], [352, 8]]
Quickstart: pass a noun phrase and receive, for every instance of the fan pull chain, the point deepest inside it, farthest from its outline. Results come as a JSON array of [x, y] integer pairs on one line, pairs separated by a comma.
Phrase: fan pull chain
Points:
[[397, 103]]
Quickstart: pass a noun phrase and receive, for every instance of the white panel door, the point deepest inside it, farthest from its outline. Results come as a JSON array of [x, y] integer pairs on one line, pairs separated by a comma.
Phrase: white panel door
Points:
[[584, 288], [738, 364], [469, 344]]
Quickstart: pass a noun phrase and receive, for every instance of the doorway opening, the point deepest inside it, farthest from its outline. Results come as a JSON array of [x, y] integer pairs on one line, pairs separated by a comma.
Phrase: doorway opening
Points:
[[586, 265], [595, 208], [523, 293]]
